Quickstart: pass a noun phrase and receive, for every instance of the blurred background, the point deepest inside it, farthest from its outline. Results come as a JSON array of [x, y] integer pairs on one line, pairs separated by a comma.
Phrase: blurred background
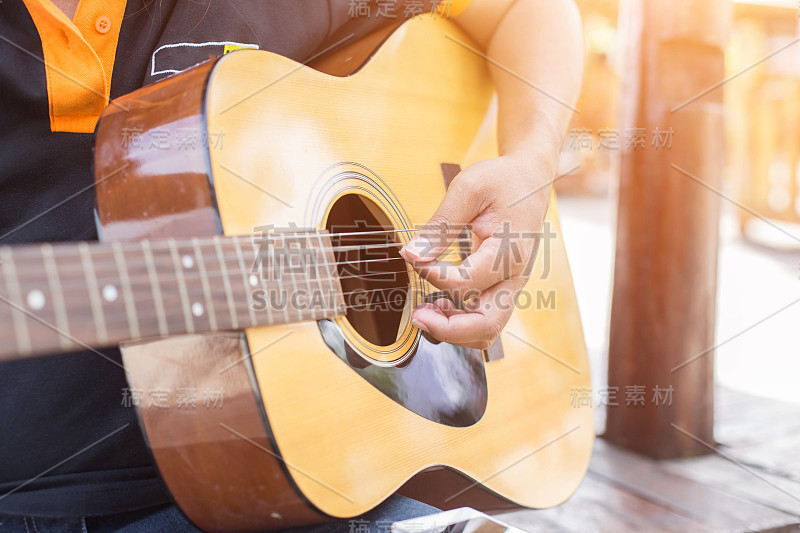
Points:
[[759, 261], [726, 75]]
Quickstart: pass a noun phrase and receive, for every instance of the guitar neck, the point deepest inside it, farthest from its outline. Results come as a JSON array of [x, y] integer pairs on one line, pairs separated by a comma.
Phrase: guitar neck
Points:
[[67, 297]]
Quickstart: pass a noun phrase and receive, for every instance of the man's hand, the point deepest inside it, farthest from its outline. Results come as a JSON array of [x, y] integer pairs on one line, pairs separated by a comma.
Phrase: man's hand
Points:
[[535, 53], [503, 201]]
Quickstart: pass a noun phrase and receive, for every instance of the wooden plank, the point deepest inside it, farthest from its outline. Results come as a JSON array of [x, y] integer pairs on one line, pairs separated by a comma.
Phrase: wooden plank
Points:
[[749, 420], [755, 431], [627, 492], [599, 506], [739, 406], [717, 509], [728, 400], [779, 456], [531, 521], [727, 477]]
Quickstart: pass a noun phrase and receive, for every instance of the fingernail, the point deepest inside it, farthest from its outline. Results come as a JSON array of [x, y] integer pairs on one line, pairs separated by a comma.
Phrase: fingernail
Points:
[[418, 247], [420, 325]]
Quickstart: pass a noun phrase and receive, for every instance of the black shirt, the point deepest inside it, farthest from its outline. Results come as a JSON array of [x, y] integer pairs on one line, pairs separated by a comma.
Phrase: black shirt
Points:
[[70, 444]]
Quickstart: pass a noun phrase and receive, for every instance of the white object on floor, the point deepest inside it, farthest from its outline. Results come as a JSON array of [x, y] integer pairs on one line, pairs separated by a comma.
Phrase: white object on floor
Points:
[[465, 520]]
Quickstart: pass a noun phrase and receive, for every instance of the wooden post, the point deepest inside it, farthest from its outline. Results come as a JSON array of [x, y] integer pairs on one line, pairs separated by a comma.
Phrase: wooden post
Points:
[[667, 234]]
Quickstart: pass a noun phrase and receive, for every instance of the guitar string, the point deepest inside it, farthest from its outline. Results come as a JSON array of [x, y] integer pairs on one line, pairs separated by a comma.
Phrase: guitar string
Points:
[[225, 240], [97, 250], [374, 303], [304, 236], [192, 276], [366, 306], [110, 316], [405, 290], [134, 261], [230, 240]]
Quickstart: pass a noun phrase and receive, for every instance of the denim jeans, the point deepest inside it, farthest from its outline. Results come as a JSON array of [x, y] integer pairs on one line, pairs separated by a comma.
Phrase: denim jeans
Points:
[[169, 519]]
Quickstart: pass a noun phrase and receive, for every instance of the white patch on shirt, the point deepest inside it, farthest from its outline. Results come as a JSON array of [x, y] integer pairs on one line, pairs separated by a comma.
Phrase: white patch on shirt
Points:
[[154, 71]]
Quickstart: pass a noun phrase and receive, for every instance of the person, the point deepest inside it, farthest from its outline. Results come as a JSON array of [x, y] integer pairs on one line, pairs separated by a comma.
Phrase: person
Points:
[[63, 467]]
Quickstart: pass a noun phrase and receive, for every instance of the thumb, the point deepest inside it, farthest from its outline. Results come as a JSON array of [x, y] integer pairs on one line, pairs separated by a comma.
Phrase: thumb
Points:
[[458, 208]]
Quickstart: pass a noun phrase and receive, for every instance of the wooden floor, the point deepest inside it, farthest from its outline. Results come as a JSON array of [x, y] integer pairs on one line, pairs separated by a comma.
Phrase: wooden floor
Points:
[[752, 484]]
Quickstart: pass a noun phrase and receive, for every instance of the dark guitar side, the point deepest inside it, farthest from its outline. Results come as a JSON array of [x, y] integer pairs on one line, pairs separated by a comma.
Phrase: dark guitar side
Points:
[[220, 464], [221, 481]]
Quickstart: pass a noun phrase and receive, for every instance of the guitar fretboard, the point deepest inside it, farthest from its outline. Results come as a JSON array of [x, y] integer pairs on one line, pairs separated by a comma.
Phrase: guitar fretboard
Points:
[[68, 297]]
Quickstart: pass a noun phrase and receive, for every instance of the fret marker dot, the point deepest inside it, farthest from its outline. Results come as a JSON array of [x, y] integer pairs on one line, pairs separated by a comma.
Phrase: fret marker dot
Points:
[[110, 293], [187, 261], [36, 299], [253, 280], [197, 309]]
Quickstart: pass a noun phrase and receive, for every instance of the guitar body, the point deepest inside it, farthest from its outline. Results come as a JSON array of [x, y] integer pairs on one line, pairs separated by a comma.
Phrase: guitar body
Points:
[[327, 418]]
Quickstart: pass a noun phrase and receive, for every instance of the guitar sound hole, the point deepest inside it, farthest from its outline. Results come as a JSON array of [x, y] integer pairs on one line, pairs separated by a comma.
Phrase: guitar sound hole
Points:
[[374, 277]]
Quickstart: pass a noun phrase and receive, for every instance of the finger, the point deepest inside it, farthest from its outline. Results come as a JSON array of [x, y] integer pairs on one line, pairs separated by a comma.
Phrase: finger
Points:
[[444, 307], [475, 243], [480, 324], [484, 268], [458, 208], [447, 307], [429, 311]]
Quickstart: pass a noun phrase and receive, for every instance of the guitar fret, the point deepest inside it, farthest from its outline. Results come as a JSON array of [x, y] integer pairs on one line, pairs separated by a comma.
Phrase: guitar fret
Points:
[[59, 306], [261, 273], [226, 282], [15, 296], [201, 269], [155, 288], [321, 259], [270, 272], [178, 267], [102, 294], [245, 279], [239, 287], [309, 291], [130, 304], [94, 293], [294, 285]]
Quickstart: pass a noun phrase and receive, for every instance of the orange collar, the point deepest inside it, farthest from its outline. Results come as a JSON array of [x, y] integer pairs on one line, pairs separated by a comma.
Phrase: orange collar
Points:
[[78, 58]]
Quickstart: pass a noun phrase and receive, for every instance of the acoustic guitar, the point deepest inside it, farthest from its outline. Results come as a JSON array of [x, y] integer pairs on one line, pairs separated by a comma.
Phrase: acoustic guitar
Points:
[[250, 213]]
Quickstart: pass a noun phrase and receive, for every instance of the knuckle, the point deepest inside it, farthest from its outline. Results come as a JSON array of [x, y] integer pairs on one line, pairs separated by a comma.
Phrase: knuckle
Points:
[[472, 185], [444, 336], [468, 180], [440, 230], [483, 345], [439, 225], [523, 279], [458, 284], [492, 332], [467, 292]]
